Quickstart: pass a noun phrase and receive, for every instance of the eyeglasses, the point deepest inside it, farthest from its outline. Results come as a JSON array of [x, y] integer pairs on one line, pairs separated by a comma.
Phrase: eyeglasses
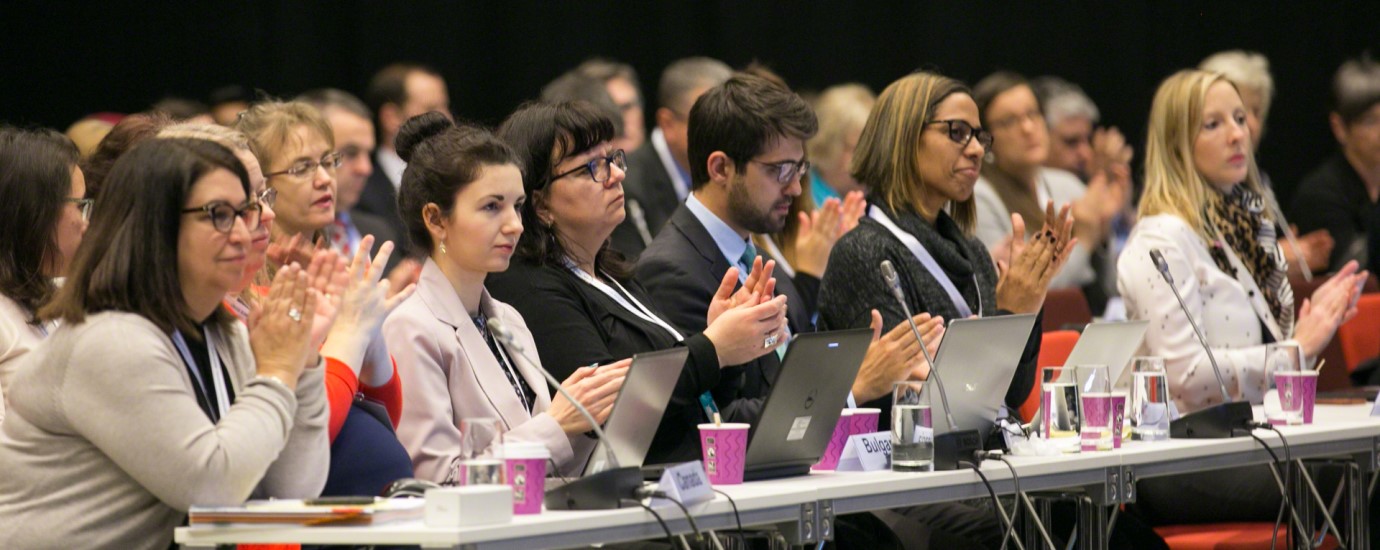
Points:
[[1012, 120], [599, 167], [961, 132], [303, 168], [84, 205], [223, 215], [786, 171], [267, 197]]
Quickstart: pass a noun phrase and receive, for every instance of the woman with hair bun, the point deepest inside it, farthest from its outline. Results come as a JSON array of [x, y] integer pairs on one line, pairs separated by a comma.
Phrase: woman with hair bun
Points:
[[462, 200]]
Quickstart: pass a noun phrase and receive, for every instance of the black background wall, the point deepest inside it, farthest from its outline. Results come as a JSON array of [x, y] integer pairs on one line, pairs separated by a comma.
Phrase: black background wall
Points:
[[61, 60]]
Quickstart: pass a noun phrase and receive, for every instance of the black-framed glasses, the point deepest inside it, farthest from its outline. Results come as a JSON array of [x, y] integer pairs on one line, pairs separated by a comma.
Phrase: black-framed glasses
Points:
[[84, 205], [599, 167], [786, 171], [306, 167], [961, 132], [223, 215], [267, 197]]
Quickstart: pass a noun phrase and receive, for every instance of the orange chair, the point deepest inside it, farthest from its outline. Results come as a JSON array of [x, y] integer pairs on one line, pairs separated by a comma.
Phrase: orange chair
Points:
[[1055, 348], [1227, 536], [1360, 337]]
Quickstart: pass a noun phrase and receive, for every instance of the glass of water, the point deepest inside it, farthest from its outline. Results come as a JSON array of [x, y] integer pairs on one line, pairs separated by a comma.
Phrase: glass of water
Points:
[[1095, 396], [1286, 362], [1149, 400], [912, 427], [1059, 407]]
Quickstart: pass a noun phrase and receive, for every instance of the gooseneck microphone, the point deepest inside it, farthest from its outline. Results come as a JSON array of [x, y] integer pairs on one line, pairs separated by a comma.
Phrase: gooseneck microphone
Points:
[[1163, 267], [597, 491], [956, 445], [1218, 421], [894, 281]]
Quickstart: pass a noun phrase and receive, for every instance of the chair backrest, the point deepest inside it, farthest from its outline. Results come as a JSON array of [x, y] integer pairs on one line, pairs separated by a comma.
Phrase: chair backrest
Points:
[[1055, 347], [1360, 337], [1064, 307]]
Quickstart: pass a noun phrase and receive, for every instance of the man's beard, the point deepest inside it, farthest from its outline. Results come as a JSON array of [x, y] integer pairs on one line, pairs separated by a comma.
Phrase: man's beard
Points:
[[742, 210]]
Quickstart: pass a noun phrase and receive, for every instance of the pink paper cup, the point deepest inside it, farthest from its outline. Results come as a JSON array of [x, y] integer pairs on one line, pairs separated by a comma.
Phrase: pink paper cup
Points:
[[864, 421], [1097, 410], [524, 466], [842, 429], [724, 448], [1118, 418], [1298, 393]]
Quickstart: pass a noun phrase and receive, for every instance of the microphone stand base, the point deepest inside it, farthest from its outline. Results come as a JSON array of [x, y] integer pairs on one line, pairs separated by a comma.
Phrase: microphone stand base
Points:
[[1220, 421], [951, 447], [601, 491]]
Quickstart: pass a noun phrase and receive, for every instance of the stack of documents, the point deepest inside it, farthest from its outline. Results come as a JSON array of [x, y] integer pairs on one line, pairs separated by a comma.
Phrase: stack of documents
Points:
[[298, 512]]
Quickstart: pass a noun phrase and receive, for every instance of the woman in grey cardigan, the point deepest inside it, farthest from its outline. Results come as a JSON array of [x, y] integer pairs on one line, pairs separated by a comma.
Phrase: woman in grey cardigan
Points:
[[150, 399]]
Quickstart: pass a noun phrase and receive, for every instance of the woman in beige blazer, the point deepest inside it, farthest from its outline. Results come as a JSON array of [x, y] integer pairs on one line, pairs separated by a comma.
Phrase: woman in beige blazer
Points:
[[150, 398], [1202, 210], [461, 199]]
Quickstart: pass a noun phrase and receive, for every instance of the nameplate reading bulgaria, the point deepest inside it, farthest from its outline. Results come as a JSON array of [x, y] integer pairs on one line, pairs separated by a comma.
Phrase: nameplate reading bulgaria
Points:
[[866, 453]]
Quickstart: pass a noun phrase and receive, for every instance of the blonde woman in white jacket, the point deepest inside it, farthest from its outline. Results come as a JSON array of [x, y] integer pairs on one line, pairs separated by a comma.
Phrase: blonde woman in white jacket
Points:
[[1202, 210]]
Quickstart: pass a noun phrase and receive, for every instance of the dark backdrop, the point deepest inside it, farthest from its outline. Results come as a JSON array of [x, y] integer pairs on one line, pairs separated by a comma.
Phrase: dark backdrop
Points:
[[61, 60]]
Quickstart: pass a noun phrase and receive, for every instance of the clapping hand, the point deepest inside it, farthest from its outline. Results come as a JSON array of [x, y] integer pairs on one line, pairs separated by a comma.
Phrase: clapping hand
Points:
[[1022, 285], [365, 302]]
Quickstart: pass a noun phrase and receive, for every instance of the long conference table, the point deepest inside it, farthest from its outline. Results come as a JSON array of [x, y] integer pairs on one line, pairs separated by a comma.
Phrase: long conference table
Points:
[[803, 507]]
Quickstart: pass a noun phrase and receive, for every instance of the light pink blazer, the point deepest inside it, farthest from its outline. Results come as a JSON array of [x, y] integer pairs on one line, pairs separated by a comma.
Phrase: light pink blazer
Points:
[[449, 374]]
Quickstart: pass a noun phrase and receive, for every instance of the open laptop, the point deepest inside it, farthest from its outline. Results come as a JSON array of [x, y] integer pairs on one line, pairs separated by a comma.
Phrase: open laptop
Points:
[[806, 400], [977, 359], [1110, 344], [637, 411]]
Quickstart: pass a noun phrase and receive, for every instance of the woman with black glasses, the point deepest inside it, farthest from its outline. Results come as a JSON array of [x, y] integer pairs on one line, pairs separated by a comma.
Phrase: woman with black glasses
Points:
[[922, 205], [577, 295], [150, 397], [45, 214]]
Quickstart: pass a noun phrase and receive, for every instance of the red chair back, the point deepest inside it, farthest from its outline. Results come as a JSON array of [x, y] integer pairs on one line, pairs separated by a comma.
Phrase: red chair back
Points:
[[1055, 348], [1064, 307], [1360, 337]]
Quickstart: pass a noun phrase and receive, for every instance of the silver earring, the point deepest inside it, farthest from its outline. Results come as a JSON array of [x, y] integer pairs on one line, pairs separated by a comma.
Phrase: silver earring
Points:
[[443, 248]]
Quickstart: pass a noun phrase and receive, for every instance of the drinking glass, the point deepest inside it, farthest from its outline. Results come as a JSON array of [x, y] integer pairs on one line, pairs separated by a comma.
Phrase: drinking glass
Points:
[[1149, 400], [912, 427], [481, 443], [1059, 407], [1286, 362]]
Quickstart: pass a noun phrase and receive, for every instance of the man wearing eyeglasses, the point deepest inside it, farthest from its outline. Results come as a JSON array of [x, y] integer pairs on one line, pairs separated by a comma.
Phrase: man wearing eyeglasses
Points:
[[747, 152], [659, 173]]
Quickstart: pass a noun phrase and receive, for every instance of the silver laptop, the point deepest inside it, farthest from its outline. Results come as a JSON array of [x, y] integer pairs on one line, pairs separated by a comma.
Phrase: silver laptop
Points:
[[637, 411], [977, 359], [1110, 344], [806, 400]]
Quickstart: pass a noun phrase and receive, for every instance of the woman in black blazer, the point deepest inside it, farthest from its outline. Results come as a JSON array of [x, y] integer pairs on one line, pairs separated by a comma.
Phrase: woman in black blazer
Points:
[[577, 295]]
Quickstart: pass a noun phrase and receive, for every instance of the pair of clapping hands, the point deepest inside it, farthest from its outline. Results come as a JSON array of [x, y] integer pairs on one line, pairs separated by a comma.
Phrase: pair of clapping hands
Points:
[[332, 307]]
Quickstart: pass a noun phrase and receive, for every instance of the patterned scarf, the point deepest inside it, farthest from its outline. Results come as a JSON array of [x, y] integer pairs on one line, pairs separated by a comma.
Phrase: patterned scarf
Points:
[[1238, 221]]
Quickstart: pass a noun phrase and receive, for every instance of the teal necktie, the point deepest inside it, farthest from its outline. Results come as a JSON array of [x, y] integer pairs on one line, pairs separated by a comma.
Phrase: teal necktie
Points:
[[744, 266]]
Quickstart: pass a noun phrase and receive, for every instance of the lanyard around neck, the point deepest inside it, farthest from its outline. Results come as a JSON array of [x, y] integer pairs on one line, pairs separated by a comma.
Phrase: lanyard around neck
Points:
[[624, 299], [220, 403], [927, 260]]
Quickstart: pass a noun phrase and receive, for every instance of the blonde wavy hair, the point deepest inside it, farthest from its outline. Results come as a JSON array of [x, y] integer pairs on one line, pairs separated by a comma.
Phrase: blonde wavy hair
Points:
[[1172, 182], [887, 159]]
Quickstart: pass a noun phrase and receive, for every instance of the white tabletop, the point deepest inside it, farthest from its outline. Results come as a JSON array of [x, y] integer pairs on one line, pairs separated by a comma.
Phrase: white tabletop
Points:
[[1339, 430]]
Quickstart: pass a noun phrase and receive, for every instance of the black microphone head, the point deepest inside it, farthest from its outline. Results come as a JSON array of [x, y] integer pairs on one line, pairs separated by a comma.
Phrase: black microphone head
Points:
[[1161, 265], [889, 273]]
